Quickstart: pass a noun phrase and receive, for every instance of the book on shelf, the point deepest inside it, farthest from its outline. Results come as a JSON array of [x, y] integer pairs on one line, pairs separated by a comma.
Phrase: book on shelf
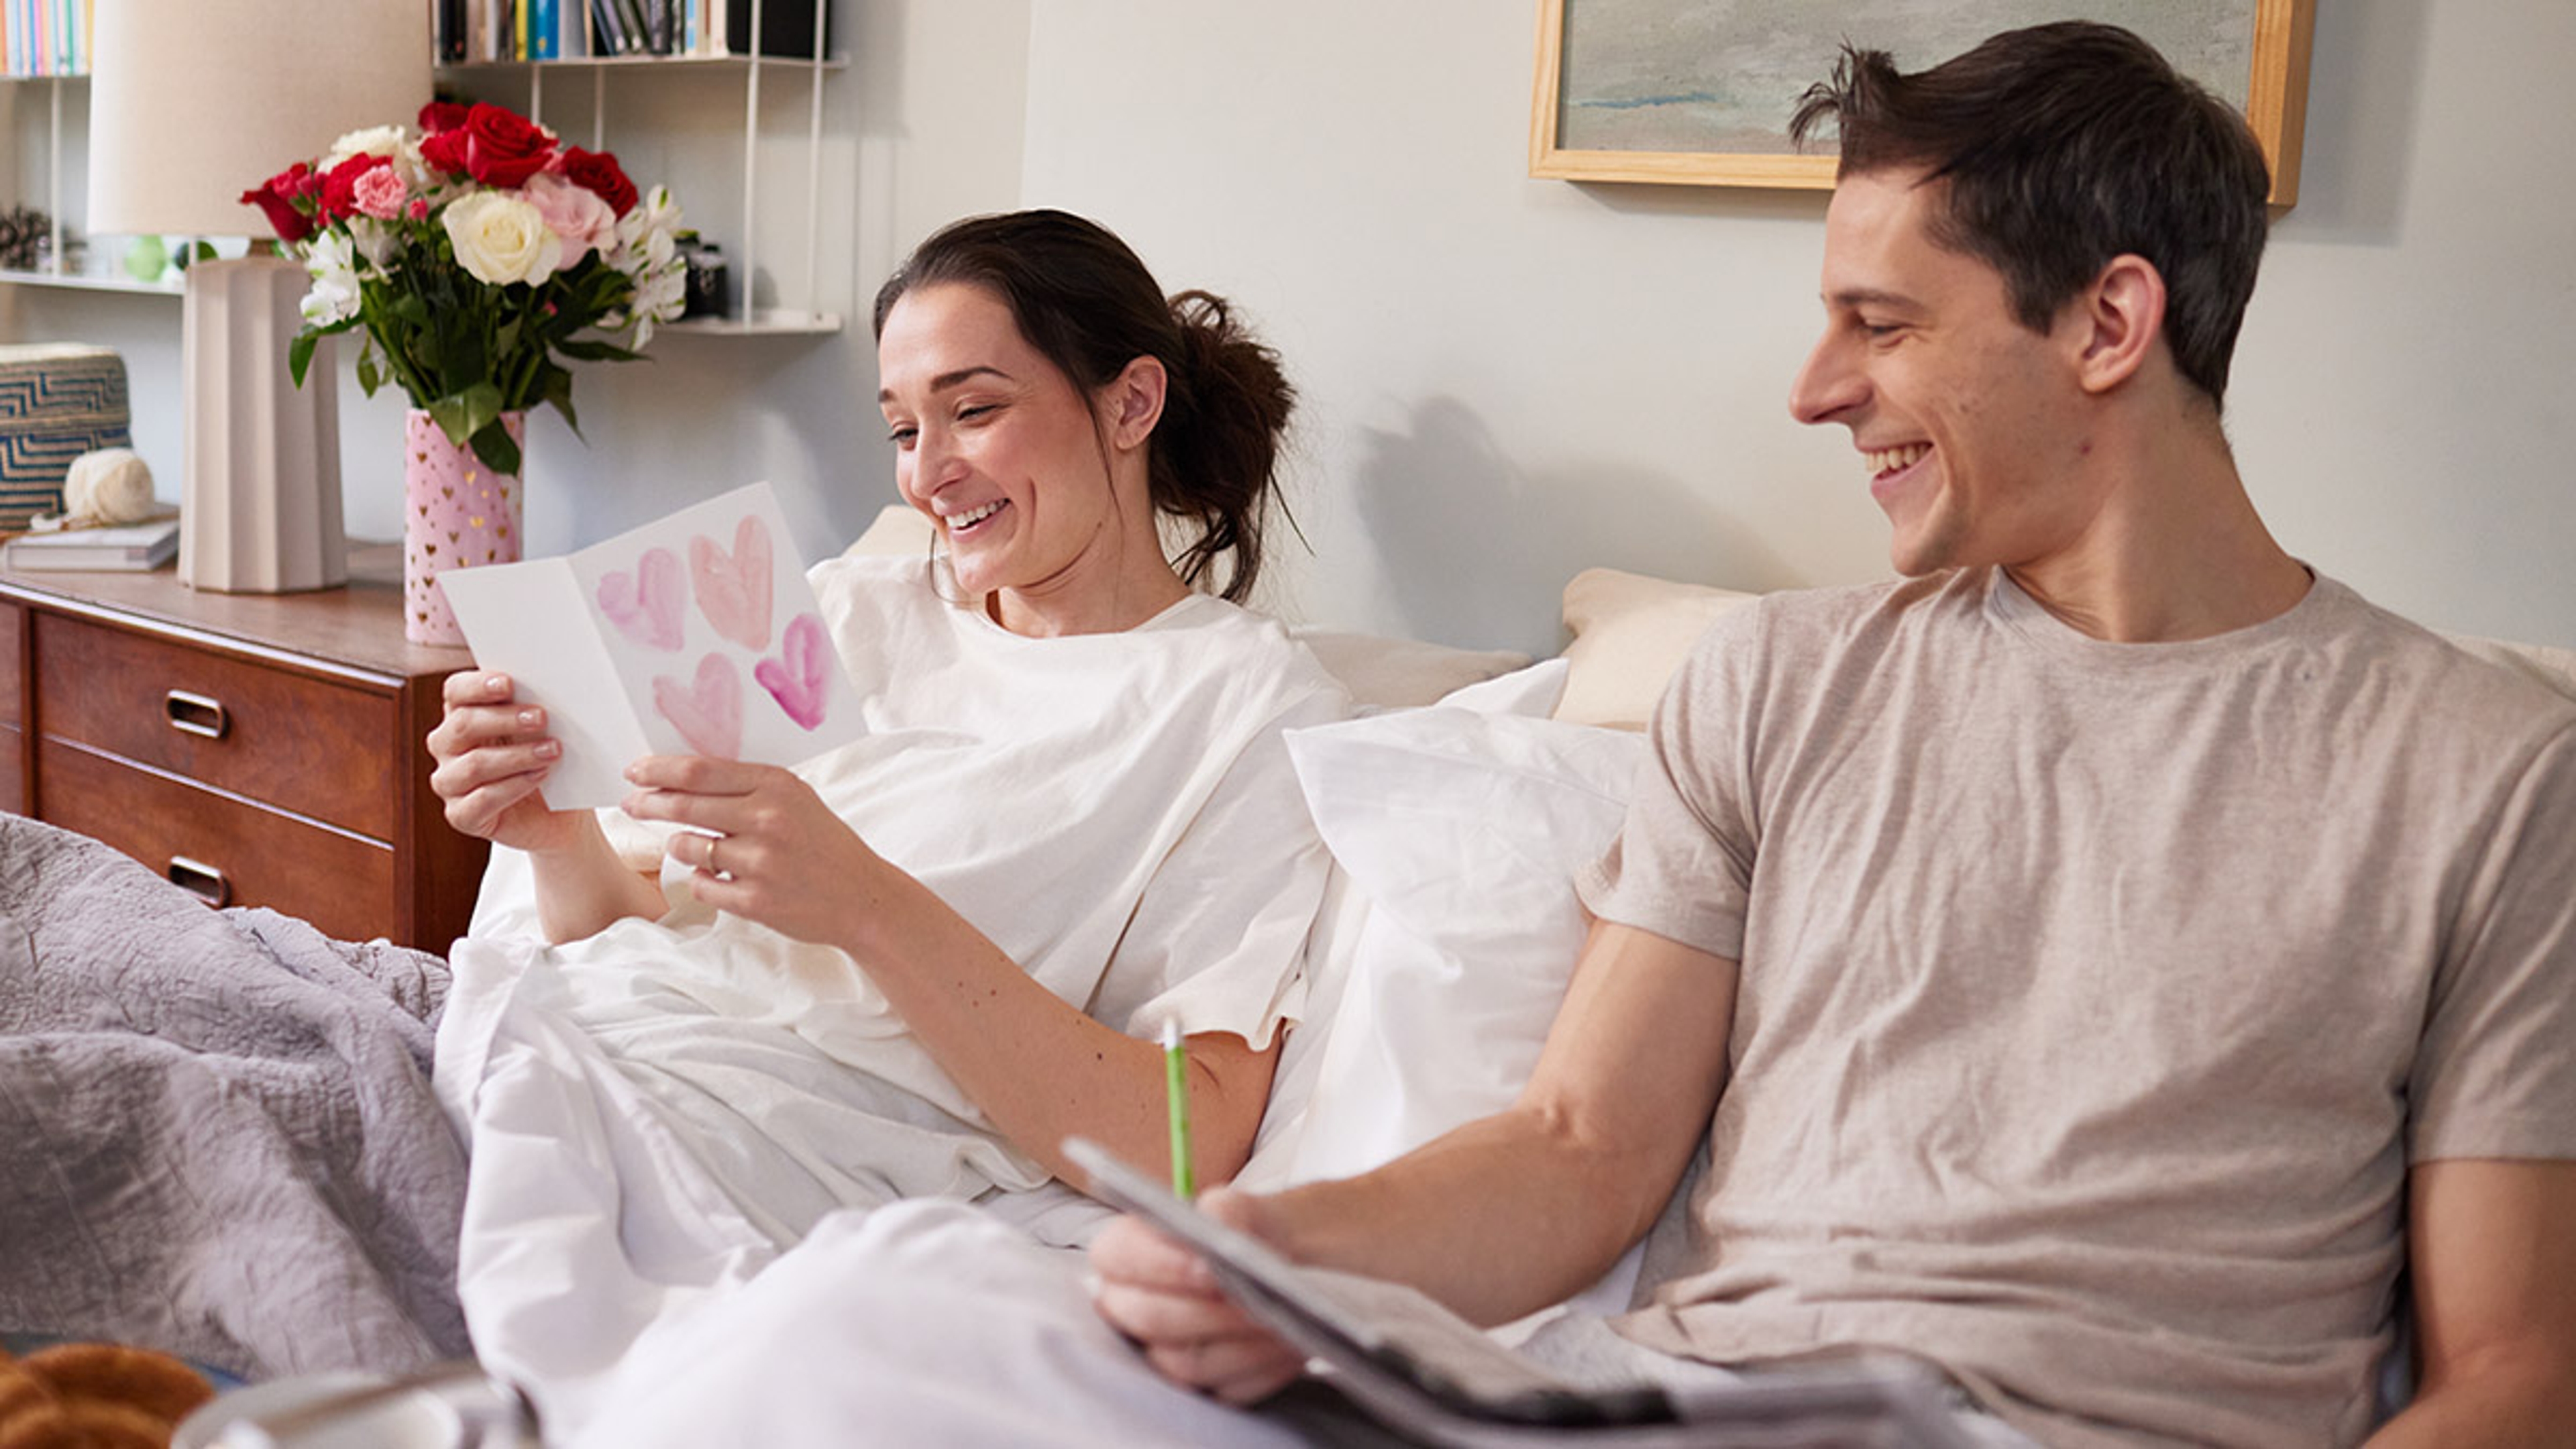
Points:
[[127, 548], [786, 27], [1432, 1378]]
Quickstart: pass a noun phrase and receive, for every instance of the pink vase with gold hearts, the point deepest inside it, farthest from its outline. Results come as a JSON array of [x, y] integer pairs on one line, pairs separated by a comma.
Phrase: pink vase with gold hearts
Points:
[[457, 513]]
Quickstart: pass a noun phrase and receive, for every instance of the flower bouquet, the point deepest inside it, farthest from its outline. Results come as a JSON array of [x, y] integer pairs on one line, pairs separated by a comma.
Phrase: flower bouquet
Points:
[[478, 257]]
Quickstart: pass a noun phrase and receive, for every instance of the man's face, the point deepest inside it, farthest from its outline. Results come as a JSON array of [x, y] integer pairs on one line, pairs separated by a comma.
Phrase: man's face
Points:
[[1969, 422]]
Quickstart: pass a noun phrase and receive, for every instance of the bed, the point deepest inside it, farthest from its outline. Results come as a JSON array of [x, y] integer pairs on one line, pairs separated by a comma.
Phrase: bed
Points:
[[254, 1098]]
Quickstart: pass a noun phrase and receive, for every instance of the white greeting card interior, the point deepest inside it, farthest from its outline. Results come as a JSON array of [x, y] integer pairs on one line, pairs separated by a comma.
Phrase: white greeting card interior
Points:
[[697, 634]]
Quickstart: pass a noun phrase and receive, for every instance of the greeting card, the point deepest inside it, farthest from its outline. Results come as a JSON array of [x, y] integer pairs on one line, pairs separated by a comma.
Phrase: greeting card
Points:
[[695, 635]]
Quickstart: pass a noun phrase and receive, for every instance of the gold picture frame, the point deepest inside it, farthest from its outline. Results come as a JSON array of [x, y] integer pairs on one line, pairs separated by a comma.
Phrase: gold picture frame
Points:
[[2275, 94]]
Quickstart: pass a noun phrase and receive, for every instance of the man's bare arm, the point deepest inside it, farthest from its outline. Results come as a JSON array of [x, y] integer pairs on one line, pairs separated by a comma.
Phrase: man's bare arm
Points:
[[2492, 1250]]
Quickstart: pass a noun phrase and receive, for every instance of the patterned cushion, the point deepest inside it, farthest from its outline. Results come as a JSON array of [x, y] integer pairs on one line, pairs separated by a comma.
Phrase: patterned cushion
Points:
[[58, 400]]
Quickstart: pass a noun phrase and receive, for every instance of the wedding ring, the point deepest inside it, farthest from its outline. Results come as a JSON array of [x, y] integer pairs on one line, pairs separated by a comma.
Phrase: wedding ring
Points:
[[712, 842]]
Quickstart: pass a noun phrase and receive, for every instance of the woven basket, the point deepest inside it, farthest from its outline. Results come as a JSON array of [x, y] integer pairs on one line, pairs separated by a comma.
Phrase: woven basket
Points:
[[58, 400]]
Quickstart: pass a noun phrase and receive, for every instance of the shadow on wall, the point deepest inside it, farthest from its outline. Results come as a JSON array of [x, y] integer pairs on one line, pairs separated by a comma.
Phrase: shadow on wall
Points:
[[1474, 550], [2365, 94]]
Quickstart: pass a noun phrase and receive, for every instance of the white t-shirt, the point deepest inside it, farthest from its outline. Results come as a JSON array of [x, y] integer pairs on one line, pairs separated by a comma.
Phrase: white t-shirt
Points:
[[665, 1105], [2095, 997]]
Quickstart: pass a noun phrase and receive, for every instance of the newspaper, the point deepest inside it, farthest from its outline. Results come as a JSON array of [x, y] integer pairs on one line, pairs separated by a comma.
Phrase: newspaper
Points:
[[1430, 1377]]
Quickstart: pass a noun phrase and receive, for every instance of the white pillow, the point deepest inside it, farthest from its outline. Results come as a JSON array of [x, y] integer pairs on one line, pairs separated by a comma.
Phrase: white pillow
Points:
[[1341, 938], [1630, 633], [1463, 831]]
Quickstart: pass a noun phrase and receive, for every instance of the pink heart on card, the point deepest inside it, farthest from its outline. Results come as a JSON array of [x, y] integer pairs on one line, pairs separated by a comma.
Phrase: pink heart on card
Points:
[[647, 605], [708, 714], [733, 588], [797, 677]]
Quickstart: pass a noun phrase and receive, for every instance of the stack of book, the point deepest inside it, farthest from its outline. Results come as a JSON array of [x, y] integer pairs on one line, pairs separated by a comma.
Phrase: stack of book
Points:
[[126, 548], [47, 37], [515, 30]]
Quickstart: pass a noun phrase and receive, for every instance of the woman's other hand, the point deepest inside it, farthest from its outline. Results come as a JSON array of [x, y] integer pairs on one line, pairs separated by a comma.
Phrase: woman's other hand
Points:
[[492, 754], [765, 847]]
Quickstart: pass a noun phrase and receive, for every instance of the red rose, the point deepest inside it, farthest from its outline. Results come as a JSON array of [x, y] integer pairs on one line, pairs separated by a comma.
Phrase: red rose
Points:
[[340, 185], [276, 197], [440, 116], [445, 151], [599, 173], [504, 148]]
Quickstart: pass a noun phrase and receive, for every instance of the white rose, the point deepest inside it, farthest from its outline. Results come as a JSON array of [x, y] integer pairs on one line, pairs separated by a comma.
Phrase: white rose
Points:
[[501, 239], [334, 296]]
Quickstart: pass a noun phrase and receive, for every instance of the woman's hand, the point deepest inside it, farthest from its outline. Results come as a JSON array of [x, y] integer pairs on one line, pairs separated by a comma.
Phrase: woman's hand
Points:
[[764, 845], [492, 755], [1161, 1295]]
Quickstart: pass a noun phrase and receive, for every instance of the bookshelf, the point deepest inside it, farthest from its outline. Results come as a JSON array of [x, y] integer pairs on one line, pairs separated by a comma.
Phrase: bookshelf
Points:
[[795, 314]]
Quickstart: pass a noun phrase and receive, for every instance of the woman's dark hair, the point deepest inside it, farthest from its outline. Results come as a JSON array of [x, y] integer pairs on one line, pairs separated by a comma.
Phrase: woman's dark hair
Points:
[[2063, 146], [1086, 303]]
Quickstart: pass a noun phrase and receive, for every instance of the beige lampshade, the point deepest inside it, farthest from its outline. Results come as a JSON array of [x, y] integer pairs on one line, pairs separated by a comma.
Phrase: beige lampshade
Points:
[[193, 102]]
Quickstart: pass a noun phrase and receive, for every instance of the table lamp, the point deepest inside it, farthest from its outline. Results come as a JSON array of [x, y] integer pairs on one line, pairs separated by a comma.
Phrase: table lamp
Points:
[[191, 103]]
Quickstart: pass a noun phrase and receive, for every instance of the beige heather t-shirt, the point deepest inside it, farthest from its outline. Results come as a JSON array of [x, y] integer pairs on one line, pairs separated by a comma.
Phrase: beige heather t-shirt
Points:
[[2096, 996]]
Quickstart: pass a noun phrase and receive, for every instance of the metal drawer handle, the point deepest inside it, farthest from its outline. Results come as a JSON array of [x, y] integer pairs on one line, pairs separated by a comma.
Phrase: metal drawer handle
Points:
[[201, 880], [194, 714]]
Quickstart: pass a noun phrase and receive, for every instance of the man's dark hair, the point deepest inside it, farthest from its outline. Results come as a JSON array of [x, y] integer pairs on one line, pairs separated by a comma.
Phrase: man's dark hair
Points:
[[2060, 147]]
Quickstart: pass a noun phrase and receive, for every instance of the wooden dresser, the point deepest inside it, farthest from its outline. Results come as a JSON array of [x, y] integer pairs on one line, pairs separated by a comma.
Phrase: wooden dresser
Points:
[[257, 749]]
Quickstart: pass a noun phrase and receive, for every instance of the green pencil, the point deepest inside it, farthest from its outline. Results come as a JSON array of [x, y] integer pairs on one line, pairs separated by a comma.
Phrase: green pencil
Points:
[[1176, 1092]]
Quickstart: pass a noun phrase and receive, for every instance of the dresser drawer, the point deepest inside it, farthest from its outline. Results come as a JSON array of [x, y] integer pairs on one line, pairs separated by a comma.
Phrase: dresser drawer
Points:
[[303, 744], [230, 852]]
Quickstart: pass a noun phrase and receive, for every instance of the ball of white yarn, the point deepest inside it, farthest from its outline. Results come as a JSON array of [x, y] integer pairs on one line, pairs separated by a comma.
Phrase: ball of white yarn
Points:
[[112, 485]]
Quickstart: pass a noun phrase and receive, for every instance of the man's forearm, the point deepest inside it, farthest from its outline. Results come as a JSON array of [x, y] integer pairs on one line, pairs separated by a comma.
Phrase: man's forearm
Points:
[[1497, 1219], [2526, 1402]]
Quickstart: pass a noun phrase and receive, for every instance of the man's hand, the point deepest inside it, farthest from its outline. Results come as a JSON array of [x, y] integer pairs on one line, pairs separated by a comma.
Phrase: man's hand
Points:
[[1162, 1295]]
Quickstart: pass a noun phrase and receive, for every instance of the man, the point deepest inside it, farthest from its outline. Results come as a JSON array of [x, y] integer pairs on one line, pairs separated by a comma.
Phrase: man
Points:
[[2097, 963]]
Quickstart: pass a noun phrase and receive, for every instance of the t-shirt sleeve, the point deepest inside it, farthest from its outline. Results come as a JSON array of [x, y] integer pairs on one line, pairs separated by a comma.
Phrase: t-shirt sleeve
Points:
[[1682, 866], [1218, 939], [2494, 1076]]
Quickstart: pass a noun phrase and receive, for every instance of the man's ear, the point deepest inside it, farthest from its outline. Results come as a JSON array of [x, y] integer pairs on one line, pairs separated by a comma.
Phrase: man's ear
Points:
[[1132, 403], [2121, 315]]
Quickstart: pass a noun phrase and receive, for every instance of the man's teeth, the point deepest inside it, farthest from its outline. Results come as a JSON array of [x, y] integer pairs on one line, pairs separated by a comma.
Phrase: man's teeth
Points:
[[973, 516], [1891, 459]]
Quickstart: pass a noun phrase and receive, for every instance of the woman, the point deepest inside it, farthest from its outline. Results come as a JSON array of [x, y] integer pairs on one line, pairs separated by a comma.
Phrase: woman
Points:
[[914, 966]]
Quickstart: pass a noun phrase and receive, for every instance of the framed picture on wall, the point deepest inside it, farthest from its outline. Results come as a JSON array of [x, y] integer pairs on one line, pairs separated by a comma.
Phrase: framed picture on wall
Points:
[[1699, 92]]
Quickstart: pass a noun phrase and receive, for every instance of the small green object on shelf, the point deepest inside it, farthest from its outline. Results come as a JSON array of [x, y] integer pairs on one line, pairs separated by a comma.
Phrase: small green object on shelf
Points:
[[146, 258]]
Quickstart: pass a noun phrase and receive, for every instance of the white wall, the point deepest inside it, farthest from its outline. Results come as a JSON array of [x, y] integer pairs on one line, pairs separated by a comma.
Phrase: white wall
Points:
[[1509, 379]]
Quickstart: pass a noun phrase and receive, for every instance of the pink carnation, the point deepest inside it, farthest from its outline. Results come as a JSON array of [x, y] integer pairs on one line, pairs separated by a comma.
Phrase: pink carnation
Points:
[[420, 208], [573, 213], [380, 193]]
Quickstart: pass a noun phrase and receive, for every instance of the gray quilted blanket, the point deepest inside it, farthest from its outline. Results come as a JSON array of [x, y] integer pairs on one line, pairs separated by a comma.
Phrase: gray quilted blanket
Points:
[[217, 1135]]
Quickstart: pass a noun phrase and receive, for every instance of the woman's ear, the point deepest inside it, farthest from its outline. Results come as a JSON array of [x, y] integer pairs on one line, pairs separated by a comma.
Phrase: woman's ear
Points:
[[1132, 402], [2123, 313]]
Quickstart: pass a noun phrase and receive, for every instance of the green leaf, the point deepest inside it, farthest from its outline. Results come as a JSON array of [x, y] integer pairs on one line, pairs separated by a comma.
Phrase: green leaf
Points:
[[559, 395], [482, 409], [299, 354], [449, 414], [494, 446]]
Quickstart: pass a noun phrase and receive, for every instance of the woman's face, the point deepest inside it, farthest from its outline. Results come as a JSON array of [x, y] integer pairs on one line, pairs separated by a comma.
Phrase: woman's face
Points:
[[1011, 461]]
